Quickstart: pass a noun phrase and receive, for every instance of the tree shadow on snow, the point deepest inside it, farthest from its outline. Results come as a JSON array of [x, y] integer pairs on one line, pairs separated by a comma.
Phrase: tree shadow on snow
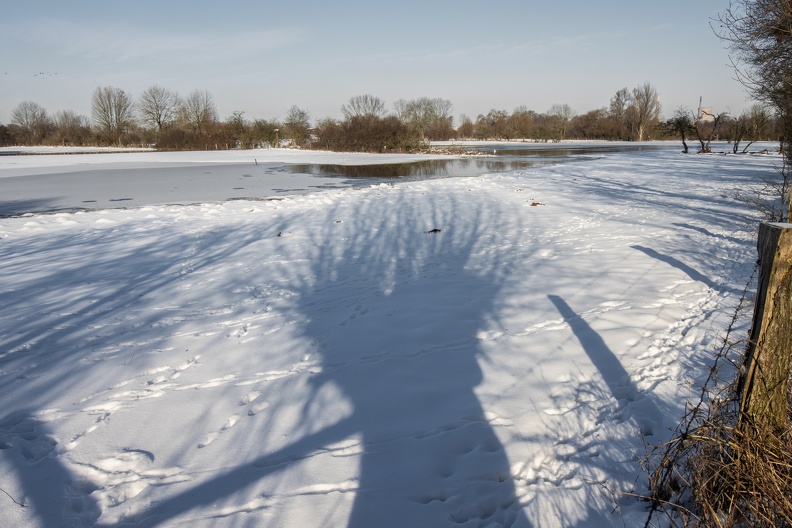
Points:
[[394, 300], [613, 373], [690, 272], [606, 465], [44, 487]]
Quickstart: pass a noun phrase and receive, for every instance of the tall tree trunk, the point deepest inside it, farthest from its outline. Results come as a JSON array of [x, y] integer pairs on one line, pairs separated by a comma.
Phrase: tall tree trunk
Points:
[[764, 382]]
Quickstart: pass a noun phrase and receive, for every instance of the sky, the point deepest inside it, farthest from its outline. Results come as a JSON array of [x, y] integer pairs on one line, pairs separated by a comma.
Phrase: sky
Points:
[[263, 57]]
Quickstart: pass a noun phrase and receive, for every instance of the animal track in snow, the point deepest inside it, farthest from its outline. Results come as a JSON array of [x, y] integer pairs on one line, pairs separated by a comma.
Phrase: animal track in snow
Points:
[[357, 312], [257, 408], [250, 397], [108, 483]]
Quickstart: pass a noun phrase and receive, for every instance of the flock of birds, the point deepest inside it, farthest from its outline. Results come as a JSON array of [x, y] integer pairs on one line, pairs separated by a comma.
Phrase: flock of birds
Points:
[[40, 74]]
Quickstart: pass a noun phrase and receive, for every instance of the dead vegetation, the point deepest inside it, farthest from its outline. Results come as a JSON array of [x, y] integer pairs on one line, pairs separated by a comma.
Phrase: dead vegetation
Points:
[[721, 469]]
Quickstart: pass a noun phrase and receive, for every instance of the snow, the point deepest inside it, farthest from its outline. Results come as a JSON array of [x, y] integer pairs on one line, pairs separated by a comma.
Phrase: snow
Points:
[[330, 359]]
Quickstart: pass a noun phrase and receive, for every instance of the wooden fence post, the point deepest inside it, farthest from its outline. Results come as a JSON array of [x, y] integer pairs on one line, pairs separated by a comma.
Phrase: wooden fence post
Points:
[[764, 381]]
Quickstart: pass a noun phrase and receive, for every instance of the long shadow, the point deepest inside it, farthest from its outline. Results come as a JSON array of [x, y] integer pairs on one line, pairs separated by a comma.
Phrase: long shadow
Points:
[[707, 232], [690, 272], [395, 307], [610, 368], [429, 455]]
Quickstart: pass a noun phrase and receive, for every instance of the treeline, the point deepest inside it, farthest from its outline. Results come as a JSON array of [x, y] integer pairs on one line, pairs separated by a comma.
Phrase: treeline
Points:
[[162, 119]]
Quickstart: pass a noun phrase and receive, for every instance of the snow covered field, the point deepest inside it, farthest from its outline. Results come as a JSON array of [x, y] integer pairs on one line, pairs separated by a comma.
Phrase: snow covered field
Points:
[[485, 351]]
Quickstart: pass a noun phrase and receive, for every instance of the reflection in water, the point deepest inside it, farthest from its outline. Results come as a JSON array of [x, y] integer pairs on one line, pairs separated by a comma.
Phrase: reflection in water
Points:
[[499, 158], [421, 170]]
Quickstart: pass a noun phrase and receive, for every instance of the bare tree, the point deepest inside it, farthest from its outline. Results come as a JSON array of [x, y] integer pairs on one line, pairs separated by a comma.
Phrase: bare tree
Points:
[[237, 120], [198, 110], [705, 125], [297, 126], [72, 129], [682, 125], [112, 111], [429, 117], [521, 122], [31, 121], [644, 110], [619, 104], [158, 107], [561, 115], [496, 124], [752, 125], [465, 129], [364, 106], [759, 35]]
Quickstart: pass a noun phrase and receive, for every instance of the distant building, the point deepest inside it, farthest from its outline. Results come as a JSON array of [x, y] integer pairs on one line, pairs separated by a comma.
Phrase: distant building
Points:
[[705, 114]]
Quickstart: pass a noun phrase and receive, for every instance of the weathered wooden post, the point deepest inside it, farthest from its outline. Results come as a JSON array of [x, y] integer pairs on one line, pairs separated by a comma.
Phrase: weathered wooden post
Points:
[[764, 380]]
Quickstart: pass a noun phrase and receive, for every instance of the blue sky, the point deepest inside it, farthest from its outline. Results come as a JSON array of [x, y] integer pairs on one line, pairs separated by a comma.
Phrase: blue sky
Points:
[[262, 57]]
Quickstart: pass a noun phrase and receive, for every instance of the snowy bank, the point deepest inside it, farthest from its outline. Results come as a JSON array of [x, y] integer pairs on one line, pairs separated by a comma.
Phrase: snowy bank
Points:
[[486, 351]]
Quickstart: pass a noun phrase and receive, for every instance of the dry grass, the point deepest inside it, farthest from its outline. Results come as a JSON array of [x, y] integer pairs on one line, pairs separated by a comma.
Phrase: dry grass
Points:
[[720, 469], [725, 473]]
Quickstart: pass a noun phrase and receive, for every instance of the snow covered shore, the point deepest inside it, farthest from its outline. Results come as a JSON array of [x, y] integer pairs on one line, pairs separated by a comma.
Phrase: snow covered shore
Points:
[[485, 351]]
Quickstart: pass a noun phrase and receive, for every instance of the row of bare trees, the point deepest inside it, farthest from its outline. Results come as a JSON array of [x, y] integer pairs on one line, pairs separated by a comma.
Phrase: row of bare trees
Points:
[[116, 118], [631, 115], [163, 118], [757, 123]]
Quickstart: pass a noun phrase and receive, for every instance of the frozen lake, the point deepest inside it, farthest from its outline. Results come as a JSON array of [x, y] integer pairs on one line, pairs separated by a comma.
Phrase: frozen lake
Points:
[[86, 186]]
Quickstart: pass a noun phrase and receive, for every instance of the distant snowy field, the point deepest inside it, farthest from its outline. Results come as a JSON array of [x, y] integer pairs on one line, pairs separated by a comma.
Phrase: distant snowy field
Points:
[[485, 351]]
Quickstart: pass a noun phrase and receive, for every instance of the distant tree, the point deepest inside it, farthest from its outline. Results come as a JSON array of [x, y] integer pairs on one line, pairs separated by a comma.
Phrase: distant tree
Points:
[[297, 126], [246, 134], [466, 127], [329, 134], [71, 129], [364, 105], [431, 118], [705, 126], [497, 124], [681, 124], [521, 122], [262, 132], [237, 121], [482, 128], [591, 125], [112, 111], [561, 115], [617, 112], [754, 124], [367, 134], [644, 110], [6, 137], [758, 122], [31, 122], [158, 107], [198, 111]]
